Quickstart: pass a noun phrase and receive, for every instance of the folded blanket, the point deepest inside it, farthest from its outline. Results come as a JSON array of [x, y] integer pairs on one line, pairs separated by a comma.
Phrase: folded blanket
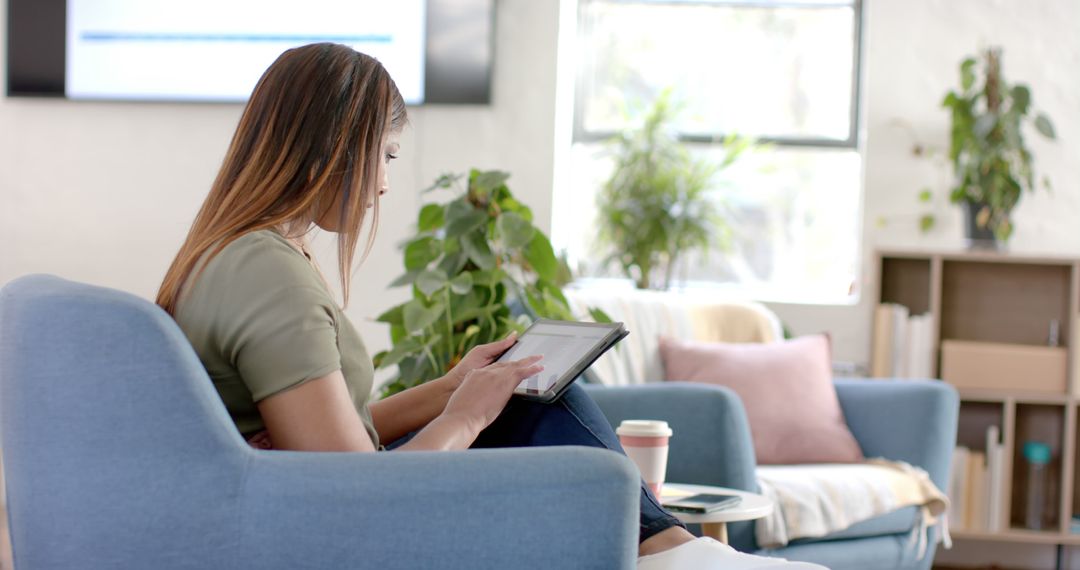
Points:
[[817, 500]]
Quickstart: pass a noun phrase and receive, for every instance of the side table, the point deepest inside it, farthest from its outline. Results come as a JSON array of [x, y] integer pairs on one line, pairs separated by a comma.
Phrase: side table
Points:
[[714, 524]]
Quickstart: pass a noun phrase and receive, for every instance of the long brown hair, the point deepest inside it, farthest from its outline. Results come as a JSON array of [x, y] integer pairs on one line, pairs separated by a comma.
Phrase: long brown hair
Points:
[[312, 129]]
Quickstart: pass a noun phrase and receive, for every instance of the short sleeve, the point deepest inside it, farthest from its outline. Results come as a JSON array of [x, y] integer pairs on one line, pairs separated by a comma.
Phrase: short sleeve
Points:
[[271, 319], [286, 338]]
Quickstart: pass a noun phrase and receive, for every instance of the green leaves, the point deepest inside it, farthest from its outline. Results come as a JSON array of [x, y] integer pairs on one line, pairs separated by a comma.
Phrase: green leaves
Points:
[[515, 231], [430, 281], [476, 247], [542, 258], [462, 217], [658, 202], [471, 260], [1044, 126], [462, 284], [992, 163], [420, 252], [432, 217], [417, 317], [967, 73]]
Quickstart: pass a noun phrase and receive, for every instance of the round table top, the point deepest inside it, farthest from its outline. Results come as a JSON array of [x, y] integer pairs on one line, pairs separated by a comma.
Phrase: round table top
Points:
[[752, 506]]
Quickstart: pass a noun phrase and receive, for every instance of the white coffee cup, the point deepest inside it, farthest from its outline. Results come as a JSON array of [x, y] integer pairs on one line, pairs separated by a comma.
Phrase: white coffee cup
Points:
[[646, 444]]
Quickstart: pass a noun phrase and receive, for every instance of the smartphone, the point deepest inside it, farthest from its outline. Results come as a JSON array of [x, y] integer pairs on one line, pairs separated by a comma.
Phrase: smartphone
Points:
[[702, 503]]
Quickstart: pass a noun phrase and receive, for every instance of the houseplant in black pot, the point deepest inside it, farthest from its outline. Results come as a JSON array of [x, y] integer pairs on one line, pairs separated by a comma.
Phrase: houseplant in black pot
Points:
[[992, 164]]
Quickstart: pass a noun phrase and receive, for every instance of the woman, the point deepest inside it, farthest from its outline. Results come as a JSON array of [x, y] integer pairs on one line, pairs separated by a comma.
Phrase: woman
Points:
[[311, 149]]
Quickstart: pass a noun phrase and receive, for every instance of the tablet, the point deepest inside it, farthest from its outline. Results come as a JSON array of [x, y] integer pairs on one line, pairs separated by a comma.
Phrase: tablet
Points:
[[568, 349]]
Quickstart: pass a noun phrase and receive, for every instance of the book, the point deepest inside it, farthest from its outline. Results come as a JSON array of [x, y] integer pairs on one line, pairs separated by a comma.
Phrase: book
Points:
[[903, 343], [976, 492], [881, 349], [995, 470], [958, 489]]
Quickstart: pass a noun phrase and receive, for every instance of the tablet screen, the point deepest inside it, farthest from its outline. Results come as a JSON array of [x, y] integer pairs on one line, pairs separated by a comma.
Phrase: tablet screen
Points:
[[561, 345]]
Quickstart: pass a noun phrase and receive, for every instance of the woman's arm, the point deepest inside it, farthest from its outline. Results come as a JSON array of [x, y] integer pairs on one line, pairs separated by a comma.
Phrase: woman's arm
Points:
[[412, 409], [318, 415]]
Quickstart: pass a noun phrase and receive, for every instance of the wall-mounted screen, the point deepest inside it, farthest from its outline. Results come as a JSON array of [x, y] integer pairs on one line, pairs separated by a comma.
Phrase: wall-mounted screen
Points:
[[438, 51]]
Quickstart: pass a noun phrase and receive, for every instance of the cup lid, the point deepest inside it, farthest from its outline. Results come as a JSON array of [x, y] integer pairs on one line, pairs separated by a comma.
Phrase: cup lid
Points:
[[644, 428], [1037, 452]]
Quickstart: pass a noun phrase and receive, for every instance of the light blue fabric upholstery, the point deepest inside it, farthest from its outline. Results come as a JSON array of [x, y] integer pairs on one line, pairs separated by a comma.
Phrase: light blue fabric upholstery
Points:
[[912, 421], [119, 454]]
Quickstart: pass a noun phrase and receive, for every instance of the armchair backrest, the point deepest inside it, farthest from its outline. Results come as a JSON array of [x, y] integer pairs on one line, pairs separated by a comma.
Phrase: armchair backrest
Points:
[[100, 395], [652, 314]]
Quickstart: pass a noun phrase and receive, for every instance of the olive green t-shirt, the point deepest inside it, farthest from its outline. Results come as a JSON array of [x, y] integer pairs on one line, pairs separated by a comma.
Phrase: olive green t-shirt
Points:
[[262, 321]]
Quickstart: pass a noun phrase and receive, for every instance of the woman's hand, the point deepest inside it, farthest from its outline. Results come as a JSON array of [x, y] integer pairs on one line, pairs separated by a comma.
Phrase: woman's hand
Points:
[[484, 391], [479, 357]]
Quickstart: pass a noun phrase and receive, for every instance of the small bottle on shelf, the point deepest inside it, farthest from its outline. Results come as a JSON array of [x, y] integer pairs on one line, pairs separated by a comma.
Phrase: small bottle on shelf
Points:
[[1037, 455]]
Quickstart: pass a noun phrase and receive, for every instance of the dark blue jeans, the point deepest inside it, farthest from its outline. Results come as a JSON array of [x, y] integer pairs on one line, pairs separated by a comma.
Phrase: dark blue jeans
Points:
[[574, 419]]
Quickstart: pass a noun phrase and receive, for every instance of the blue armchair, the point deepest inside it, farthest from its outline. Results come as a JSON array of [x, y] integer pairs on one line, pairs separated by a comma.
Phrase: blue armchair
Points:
[[912, 421], [119, 454]]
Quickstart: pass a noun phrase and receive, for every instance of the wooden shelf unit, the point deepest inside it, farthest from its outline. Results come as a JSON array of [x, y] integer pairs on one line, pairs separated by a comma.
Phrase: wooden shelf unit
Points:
[[1003, 298]]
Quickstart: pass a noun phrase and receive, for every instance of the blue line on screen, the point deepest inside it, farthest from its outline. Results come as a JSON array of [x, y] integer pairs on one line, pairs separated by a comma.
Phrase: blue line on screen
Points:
[[150, 37]]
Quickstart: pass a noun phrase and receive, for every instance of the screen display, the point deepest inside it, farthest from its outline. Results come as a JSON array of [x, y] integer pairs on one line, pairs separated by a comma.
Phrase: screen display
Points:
[[216, 50], [562, 346]]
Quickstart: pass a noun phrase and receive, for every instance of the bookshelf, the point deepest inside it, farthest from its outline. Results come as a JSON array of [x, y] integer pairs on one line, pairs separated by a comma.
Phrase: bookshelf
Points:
[[1004, 313]]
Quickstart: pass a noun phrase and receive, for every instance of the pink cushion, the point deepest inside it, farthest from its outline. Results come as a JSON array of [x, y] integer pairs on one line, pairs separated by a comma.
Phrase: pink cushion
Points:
[[786, 388]]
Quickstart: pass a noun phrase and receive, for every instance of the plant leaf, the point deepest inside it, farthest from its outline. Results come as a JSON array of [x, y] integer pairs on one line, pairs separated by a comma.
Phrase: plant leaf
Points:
[[542, 258], [392, 316], [407, 279], [925, 195], [967, 73], [462, 217], [445, 181], [420, 252], [432, 217], [984, 124], [417, 317], [453, 262], [431, 280], [1044, 126], [926, 222], [599, 315], [1021, 98], [462, 284], [487, 181], [398, 352], [514, 230], [476, 246]]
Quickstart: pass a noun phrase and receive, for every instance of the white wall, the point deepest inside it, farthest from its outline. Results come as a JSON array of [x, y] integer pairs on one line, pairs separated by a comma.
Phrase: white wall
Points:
[[104, 192]]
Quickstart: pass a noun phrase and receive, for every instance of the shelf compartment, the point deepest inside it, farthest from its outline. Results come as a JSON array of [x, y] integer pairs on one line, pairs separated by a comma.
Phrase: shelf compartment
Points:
[[1006, 303], [906, 281], [970, 489], [1044, 423]]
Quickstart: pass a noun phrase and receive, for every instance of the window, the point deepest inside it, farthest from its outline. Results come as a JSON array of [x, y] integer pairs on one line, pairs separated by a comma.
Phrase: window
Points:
[[783, 72]]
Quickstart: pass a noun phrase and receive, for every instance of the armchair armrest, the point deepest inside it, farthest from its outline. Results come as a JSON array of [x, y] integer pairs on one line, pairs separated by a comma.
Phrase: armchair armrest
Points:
[[908, 420], [556, 507], [711, 442]]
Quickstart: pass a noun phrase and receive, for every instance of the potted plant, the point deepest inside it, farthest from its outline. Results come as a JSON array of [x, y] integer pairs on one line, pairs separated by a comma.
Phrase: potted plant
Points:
[[992, 164], [657, 204], [471, 260]]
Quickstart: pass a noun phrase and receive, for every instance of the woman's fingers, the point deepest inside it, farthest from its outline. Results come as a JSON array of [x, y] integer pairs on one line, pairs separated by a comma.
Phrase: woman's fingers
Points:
[[493, 349]]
